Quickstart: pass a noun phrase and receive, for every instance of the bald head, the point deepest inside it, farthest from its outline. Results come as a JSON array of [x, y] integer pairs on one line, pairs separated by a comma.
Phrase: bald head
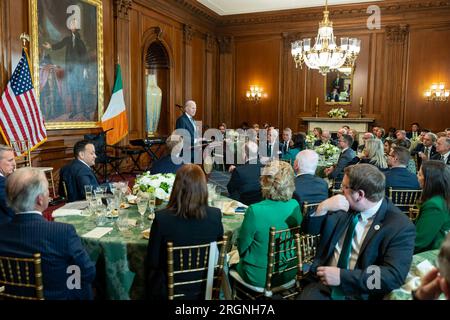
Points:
[[27, 190], [307, 161], [190, 107]]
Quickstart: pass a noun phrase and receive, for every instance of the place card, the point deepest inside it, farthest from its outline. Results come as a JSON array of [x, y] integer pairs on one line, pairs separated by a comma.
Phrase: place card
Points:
[[98, 232], [66, 212]]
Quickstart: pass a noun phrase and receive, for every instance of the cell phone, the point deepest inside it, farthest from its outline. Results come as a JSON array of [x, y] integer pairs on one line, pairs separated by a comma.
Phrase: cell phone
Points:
[[240, 209]]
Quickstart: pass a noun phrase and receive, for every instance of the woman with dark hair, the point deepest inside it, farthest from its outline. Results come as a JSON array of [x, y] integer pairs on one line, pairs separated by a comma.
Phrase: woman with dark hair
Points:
[[433, 222], [317, 131], [296, 145], [187, 220]]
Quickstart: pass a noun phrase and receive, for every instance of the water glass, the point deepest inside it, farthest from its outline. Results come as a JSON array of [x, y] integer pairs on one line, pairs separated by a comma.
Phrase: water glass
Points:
[[151, 202], [88, 192], [100, 215], [122, 223], [142, 204]]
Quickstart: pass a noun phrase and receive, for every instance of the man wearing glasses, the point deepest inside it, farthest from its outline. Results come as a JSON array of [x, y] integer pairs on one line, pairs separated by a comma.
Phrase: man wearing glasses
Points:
[[366, 244], [336, 172]]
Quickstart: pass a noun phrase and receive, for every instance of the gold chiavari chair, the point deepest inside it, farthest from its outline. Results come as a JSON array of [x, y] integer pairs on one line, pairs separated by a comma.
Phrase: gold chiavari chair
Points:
[[308, 208], [192, 262], [306, 245], [21, 275], [282, 261], [404, 199], [413, 214]]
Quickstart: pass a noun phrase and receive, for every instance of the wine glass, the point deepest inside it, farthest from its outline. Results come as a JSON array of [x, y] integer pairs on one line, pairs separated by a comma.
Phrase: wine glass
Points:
[[88, 192], [151, 202], [142, 204]]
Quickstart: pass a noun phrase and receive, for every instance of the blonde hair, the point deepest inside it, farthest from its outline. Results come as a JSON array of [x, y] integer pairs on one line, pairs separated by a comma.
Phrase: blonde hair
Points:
[[277, 181], [375, 152]]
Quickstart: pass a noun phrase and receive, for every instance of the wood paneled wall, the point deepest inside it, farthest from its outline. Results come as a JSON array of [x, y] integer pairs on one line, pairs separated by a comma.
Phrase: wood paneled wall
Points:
[[214, 59]]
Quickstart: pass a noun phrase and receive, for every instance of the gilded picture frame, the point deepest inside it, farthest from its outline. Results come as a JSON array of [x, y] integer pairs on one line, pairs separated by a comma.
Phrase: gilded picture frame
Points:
[[338, 87], [67, 61]]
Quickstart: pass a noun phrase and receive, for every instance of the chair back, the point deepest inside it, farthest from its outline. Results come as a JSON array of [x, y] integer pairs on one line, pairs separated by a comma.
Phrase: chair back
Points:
[[21, 278], [404, 199], [282, 257], [306, 245], [22, 149], [188, 266], [413, 214], [308, 208]]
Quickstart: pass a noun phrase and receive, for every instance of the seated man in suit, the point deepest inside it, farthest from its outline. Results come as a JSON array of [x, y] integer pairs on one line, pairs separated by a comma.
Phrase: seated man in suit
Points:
[[308, 186], [336, 172], [286, 144], [415, 131], [366, 136], [365, 252], [443, 150], [398, 176], [7, 166], [58, 243], [324, 138], [79, 173], [171, 162], [401, 138], [244, 184], [425, 150]]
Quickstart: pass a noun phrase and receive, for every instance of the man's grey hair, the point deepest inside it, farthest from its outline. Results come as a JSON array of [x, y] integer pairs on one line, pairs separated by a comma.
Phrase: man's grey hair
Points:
[[307, 161], [432, 136], [188, 103], [23, 186], [3, 149]]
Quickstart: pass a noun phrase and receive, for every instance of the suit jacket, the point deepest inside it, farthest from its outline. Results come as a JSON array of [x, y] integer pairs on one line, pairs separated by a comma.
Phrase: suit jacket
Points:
[[253, 240], [432, 225], [344, 160], [401, 178], [59, 246], [409, 134], [389, 244], [310, 188], [6, 213], [168, 227], [421, 148], [165, 165], [437, 156], [76, 175], [183, 122], [244, 184]]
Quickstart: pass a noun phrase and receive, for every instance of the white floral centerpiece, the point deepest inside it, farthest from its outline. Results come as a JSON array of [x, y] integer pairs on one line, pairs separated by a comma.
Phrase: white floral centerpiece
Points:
[[327, 150], [160, 184], [337, 113], [310, 139]]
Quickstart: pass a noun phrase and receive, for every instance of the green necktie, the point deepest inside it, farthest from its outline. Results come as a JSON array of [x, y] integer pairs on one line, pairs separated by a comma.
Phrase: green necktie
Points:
[[344, 257]]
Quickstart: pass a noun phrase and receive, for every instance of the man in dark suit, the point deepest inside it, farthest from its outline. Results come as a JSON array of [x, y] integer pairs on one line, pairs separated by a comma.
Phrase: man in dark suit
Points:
[[308, 187], [336, 172], [443, 150], [244, 184], [324, 138], [426, 149], [191, 137], [365, 252], [79, 173], [171, 162], [67, 270], [7, 166], [415, 131], [398, 176]]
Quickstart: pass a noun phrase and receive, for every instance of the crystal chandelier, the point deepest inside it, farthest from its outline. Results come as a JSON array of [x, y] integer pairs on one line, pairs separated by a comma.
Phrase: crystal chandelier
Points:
[[325, 55]]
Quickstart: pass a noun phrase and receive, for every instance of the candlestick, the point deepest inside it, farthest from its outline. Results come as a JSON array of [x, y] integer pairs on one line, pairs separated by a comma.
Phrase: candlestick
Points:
[[360, 106], [360, 100], [317, 107]]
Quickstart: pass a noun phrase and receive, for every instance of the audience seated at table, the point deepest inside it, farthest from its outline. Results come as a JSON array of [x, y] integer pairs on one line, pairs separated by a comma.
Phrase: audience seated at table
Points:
[[436, 281], [308, 186], [325, 138], [336, 172], [373, 154], [401, 138], [433, 222], [286, 141], [244, 184], [360, 230], [79, 173], [278, 210], [411, 166], [425, 150], [166, 164], [187, 220], [366, 136], [58, 243], [7, 166], [398, 176], [296, 145]]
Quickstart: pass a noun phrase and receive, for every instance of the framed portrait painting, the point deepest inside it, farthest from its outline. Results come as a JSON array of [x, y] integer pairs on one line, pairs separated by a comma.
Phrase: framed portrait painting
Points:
[[67, 55]]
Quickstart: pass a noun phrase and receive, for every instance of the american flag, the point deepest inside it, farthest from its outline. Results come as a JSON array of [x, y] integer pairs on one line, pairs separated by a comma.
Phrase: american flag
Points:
[[20, 116]]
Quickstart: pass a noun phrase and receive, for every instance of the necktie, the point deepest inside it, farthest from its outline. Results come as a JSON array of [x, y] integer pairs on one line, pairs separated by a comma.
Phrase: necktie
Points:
[[346, 250], [269, 150], [73, 40], [426, 152], [442, 158]]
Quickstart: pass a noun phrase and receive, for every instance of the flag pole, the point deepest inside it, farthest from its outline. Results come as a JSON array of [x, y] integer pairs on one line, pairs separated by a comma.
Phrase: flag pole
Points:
[[25, 37]]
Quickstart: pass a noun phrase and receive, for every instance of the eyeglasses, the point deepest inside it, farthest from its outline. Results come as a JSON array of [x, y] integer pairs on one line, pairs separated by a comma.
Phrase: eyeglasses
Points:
[[344, 187]]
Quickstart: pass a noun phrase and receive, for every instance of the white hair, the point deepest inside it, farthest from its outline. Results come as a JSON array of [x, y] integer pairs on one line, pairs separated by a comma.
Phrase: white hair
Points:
[[307, 161]]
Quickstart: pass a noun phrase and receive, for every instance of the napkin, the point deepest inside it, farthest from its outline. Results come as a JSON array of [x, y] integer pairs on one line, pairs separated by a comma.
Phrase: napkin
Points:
[[98, 232], [424, 267], [66, 212]]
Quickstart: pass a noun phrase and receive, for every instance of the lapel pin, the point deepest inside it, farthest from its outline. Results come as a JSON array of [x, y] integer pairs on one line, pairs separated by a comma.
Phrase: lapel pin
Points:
[[377, 227]]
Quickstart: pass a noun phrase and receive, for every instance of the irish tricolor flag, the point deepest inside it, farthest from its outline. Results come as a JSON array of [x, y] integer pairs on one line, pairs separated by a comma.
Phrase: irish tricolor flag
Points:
[[115, 116]]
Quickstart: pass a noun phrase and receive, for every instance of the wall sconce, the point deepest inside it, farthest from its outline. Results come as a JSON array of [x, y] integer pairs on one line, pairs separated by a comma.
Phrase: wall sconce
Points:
[[255, 93], [437, 93]]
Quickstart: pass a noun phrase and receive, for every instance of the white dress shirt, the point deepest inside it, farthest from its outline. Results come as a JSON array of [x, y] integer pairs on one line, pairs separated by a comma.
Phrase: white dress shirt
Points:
[[30, 212], [445, 155], [361, 229]]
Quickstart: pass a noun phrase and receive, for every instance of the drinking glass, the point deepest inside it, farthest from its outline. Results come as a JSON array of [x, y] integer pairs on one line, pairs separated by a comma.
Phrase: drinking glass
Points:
[[151, 202], [88, 192], [122, 223], [142, 204]]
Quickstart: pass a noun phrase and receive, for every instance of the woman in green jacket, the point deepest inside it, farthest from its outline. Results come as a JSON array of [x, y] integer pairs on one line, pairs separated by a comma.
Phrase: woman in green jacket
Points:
[[433, 222], [278, 210]]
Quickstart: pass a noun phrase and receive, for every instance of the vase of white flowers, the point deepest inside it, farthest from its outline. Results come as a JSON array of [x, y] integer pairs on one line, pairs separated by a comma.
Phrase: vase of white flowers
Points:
[[327, 150], [160, 184], [310, 140], [337, 113]]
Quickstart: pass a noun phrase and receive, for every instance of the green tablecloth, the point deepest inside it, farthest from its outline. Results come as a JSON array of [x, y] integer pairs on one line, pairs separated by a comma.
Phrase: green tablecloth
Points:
[[413, 278], [121, 257]]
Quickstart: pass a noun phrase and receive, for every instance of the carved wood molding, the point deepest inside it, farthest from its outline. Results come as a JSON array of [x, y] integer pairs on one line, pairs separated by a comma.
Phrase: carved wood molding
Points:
[[397, 33], [121, 8], [225, 44], [210, 42], [197, 9], [188, 32]]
